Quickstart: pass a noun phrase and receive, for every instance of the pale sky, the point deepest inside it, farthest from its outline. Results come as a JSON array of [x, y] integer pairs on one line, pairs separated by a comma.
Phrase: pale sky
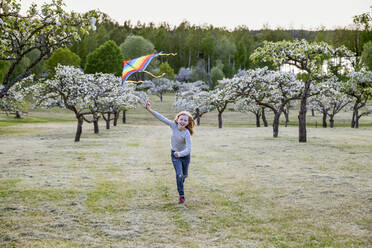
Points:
[[287, 14]]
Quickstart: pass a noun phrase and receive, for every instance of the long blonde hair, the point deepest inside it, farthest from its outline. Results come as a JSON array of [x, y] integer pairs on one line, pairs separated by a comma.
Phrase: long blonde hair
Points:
[[191, 124]]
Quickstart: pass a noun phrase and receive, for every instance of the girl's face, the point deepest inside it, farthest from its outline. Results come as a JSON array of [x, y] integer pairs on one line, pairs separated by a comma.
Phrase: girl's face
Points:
[[182, 121]]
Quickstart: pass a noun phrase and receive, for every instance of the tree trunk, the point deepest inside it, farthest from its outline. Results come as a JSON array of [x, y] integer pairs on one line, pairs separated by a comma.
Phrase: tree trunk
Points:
[[276, 124], [355, 114], [331, 121], [286, 115], [209, 65], [353, 120], [312, 112], [324, 119], [124, 116], [197, 116], [108, 121], [189, 64], [116, 114], [258, 116], [79, 129], [219, 119], [302, 120], [161, 97], [233, 67], [95, 124], [357, 117], [264, 118], [18, 114]]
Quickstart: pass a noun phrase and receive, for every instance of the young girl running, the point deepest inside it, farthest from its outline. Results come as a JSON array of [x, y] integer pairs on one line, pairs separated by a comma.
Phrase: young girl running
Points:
[[182, 129]]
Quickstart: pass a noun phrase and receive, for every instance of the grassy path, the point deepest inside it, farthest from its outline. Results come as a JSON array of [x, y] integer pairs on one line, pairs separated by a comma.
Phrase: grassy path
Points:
[[245, 189]]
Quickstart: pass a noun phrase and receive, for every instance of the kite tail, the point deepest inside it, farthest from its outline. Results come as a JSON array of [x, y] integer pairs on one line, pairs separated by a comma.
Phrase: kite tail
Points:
[[135, 82], [162, 75], [168, 54]]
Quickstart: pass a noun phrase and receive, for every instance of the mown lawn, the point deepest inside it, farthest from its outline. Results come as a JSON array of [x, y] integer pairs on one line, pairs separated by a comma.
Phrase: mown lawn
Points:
[[245, 188]]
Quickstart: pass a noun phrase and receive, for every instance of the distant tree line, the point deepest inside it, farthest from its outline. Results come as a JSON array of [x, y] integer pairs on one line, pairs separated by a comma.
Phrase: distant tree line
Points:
[[212, 52], [211, 44]]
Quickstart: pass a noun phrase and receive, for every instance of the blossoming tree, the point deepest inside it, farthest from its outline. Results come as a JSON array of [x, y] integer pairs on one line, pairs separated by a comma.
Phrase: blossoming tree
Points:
[[160, 86], [242, 84], [71, 89], [219, 98], [275, 90], [247, 105], [305, 56], [14, 101], [114, 98], [43, 29], [84, 94], [195, 101], [271, 89], [359, 87], [330, 101], [108, 97], [201, 85]]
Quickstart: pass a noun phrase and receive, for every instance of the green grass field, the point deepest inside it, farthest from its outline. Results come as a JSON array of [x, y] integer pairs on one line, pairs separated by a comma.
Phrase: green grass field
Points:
[[245, 188]]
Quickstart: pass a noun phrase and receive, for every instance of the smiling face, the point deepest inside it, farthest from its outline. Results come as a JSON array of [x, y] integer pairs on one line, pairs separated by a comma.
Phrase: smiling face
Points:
[[182, 121]]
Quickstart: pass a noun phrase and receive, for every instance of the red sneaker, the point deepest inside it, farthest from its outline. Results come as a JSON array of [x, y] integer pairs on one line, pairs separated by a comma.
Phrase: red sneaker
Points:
[[182, 200]]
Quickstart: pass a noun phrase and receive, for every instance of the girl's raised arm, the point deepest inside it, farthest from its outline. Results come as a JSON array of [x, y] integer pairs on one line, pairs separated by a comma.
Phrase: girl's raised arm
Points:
[[157, 115]]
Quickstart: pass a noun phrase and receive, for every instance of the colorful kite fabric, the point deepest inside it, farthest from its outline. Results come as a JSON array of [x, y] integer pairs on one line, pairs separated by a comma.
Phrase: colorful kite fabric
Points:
[[136, 65]]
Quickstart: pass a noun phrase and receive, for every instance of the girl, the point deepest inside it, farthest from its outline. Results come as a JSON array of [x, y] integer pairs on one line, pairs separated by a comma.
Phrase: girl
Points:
[[182, 129]]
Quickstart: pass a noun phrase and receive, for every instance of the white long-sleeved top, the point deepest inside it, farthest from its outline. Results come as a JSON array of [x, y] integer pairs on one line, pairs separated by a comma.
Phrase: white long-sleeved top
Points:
[[180, 140]]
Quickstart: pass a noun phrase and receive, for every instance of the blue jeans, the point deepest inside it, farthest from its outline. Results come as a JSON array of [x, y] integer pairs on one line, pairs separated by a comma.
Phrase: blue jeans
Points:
[[181, 166]]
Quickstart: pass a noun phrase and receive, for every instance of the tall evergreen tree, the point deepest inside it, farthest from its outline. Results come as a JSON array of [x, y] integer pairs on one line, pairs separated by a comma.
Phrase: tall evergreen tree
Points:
[[107, 59], [62, 56]]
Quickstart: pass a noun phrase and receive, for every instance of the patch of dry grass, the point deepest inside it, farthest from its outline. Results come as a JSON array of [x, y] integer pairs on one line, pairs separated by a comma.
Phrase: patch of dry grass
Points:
[[245, 188]]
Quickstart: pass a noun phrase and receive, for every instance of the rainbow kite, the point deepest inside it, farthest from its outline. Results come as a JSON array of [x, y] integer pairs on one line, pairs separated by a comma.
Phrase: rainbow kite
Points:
[[139, 65]]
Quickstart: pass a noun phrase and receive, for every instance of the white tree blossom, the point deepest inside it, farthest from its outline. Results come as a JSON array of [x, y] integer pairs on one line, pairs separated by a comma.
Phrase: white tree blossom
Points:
[[84, 94], [330, 101], [145, 86], [247, 105], [184, 74], [197, 84], [160, 86], [44, 30], [307, 57], [271, 89], [219, 98], [14, 100], [359, 87], [195, 101], [109, 97], [71, 89]]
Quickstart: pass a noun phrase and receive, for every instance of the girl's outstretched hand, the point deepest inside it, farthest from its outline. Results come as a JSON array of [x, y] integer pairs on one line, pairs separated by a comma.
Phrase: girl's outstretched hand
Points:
[[148, 104]]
